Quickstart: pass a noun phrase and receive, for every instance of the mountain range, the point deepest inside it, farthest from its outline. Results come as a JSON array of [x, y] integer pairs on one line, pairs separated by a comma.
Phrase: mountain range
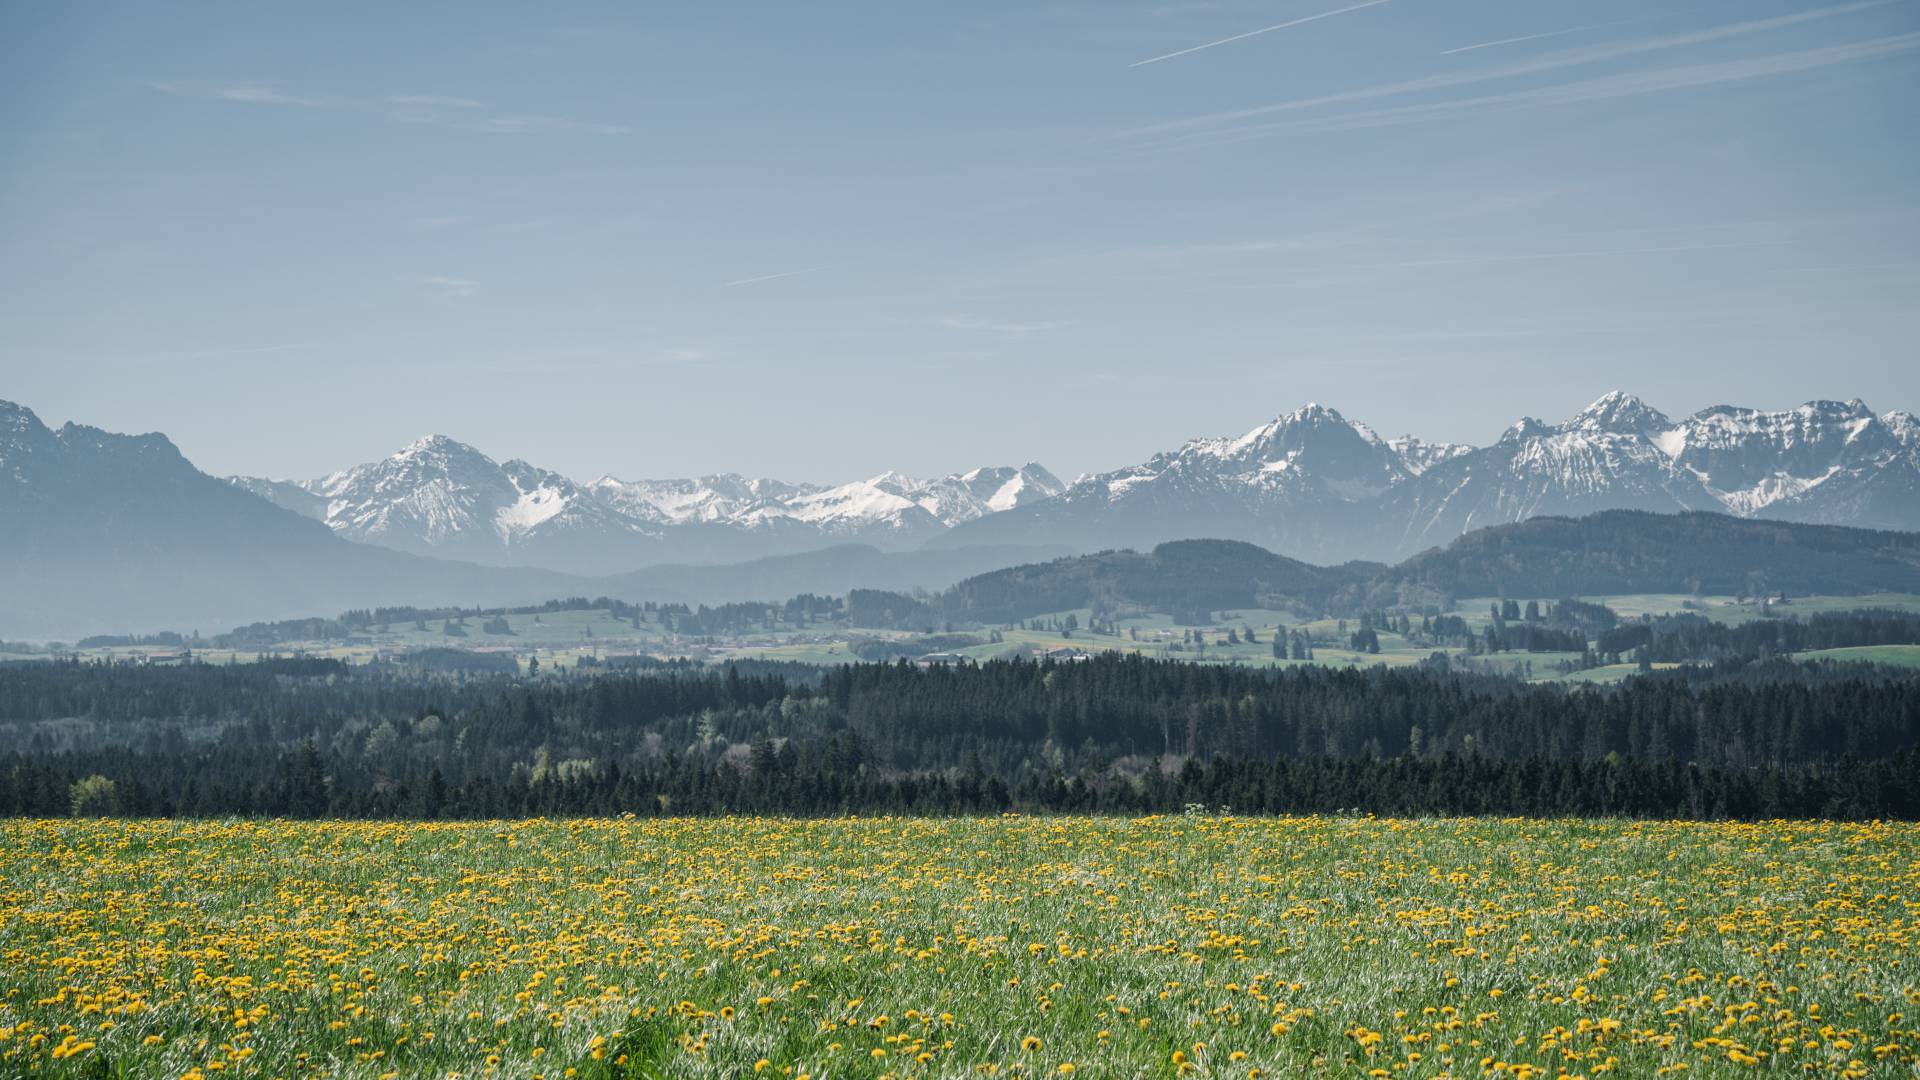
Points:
[[1310, 484], [437, 496], [1314, 485], [109, 532]]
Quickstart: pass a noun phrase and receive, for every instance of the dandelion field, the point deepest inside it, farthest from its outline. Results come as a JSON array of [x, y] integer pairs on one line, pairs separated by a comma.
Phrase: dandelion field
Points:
[[1199, 946]]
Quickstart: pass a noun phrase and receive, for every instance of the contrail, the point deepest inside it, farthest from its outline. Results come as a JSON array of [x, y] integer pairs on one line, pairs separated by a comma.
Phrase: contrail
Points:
[[1550, 61], [771, 277], [1551, 34], [1255, 33]]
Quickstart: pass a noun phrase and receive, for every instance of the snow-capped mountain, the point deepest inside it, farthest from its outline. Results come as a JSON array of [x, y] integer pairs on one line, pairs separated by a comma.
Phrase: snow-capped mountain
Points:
[[1826, 461], [903, 504], [96, 525], [1418, 455], [437, 496], [890, 501], [101, 530], [1317, 486], [443, 497], [1310, 483], [707, 500], [1296, 483], [286, 494], [1611, 455], [1312, 452]]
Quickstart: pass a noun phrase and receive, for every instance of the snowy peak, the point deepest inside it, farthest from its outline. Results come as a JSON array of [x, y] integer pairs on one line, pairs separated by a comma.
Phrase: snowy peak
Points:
[[889, 503], [432, 492], [1311, 425], [1619, 413], [1791, 462], [885, 502], [1005, 488], [291, 495], [1310, 482], [23, 440], [21, 432], [1904, 427], [435, 444], [17, 420], [1310, 453], [1418, 455], [721, 498], [1310, 457], [1316, 485], [440, 496], [959, 497], [897, 502]]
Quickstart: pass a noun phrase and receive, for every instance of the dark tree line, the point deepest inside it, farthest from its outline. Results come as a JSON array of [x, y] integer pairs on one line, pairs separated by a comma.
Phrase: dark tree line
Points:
[[310, 738], [1684, 637], [299, 785], [1619, 552]]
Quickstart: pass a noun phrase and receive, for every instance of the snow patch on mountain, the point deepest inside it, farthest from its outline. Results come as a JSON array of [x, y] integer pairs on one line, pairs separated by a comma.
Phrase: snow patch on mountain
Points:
[[444, 497], [721, 498], [1309, 482], [1418, 455]]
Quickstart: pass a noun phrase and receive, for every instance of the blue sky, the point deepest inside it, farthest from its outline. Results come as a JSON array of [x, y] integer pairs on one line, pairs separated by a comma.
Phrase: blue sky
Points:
[[815, 241]]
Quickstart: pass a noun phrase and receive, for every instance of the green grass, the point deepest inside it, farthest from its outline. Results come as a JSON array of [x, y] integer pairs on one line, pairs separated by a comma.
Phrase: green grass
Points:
[[1608, 673], [1899, 655], [561, 638], [1207, 946]]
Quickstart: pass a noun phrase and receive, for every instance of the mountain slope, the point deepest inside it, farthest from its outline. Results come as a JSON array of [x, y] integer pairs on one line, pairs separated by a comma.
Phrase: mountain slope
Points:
[[1623, 552], [1617, 552], [1608, 456], [1295, 484], [1183, 578], [105, 531], [441, 497], [1825, 461]]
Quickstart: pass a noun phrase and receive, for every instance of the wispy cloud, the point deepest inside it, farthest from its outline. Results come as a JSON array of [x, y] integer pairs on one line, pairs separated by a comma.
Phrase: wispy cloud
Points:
[[248, 94], [441, 221], [1848, 268], [444, 287], [996, 326], [1556, 33], [507, 228], [440, 110], [435, 100], [1589, 90], [775, 277], [530, 125], [1538, 256], [1257, 33], [686, 354], [1596, 325], [1546, 62]]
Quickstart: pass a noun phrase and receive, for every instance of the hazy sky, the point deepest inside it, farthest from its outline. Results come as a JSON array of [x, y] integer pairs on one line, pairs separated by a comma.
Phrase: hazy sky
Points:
[[819, 240]]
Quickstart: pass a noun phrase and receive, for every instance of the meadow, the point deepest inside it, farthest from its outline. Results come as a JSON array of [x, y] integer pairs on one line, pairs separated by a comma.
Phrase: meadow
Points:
[[562, 639], [1197, 945]]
